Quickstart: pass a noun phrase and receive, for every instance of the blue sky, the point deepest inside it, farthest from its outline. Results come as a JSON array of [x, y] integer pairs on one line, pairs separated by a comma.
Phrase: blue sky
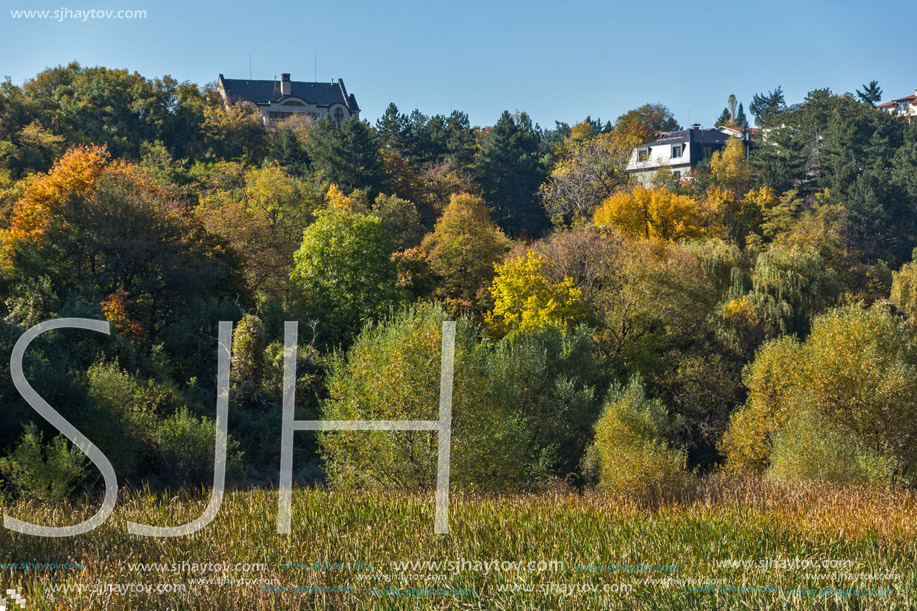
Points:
[[555, 62]]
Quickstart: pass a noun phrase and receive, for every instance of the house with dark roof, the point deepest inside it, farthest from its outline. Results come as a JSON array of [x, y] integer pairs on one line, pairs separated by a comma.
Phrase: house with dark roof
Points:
[[280, 100], [681, 151], [902, 107]]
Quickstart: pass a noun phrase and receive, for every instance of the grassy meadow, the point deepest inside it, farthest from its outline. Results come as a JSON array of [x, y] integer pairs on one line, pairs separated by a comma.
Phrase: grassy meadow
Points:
[[616, 553]]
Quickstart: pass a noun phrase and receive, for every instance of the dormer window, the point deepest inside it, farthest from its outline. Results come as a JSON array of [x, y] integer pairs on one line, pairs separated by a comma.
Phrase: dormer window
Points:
[[677, 150], [339, 114]]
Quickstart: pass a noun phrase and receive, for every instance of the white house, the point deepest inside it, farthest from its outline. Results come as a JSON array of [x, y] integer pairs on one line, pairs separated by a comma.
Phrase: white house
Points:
[[681, 151], [279, 100], [903, 107]]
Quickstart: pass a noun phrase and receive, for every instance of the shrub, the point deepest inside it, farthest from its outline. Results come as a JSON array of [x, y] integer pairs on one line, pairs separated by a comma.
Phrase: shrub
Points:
[[392, 372], [46, 472], [858, 368], [184, 450], [558, 381], [247, 362], [632, 450], [811, 447]]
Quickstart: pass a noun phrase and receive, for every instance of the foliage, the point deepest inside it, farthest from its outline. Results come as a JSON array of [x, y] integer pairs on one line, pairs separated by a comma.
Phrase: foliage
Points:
[[247, 361], [510, 169], [400, 220], [343, 274], [464, 247], [558, 380], [345, 154], [115, 310], [652, 213], [730, 169], [49, 472], [184, 448], [858, 368], [262, 220], [811, 447], [632, 445], [645, 123], [524, 300], [904, 289], [46, 195], [591, 170], [125, 411], [392, 373], [766, 106], [789, 286], [871, 93]]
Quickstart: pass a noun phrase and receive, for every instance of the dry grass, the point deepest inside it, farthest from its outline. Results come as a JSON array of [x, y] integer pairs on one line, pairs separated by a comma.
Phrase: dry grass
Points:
[[718, 518]]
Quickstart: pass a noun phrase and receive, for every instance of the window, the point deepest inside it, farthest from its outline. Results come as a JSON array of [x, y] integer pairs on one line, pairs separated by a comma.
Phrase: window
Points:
[[902, 108], [677, 174], [643, 155], [338, 114], [677, 150]]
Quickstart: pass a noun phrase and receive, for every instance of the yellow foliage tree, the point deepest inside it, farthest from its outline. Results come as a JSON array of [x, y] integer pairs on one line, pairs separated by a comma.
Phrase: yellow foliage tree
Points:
[[262, 221], [336, 199], [730, 168], [525, 300], [655, 213]]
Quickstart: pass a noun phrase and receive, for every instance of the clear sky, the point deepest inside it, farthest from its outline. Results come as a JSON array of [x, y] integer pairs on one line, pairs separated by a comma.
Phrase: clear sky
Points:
[[556, 61]]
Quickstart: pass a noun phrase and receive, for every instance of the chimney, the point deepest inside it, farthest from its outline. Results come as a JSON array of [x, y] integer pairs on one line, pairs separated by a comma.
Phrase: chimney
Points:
[[695, 126], [286, 86]]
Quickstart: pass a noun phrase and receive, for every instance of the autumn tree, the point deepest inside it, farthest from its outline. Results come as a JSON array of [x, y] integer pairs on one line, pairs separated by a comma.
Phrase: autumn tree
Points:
[[262, 220], [652, 213], [234, 132], [857, 369], [524, 300], [464, 247], [645, 123], [590, 171], [98, 227]]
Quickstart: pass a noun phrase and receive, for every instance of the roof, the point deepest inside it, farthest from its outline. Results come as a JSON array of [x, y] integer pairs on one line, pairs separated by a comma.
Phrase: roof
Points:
[[701, 136], [910, 98], [265, 92]]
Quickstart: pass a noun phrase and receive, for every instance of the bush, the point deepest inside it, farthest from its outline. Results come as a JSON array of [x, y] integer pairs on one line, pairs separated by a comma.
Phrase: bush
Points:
[[632, 452], [811, 447], [858, 369], [125, 412], [392, 372], [558, 381], [184, 450], [46, 472], [247, 362]]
